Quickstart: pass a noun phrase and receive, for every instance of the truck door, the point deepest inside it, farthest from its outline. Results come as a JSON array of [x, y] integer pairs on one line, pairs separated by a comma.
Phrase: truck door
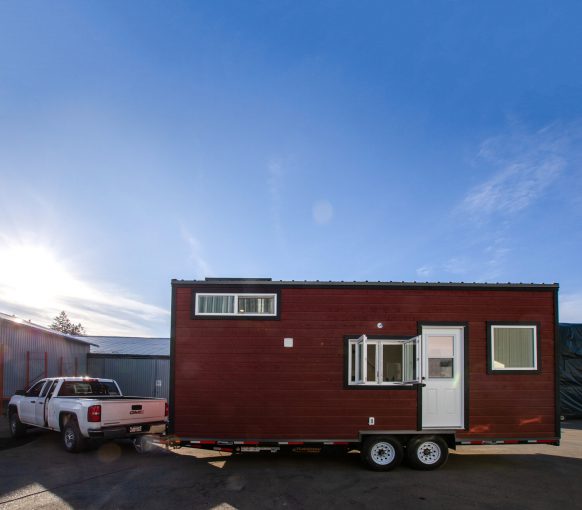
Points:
[[40, 417], [28, 405]]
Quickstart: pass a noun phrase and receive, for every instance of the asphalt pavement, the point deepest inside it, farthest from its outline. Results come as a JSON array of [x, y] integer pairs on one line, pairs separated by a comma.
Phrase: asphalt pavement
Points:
[[40, 474]]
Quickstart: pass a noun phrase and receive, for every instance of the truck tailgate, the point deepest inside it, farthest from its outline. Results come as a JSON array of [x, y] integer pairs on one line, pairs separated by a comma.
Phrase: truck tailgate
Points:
[[126, 412]]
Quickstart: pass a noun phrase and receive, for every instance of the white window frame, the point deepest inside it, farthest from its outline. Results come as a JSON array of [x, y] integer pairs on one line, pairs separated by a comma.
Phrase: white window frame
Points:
[[360, 365], [514, 326], [236, 312]]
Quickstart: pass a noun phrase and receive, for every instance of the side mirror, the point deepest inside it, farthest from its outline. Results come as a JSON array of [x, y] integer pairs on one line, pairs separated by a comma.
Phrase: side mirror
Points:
[[20, 392]]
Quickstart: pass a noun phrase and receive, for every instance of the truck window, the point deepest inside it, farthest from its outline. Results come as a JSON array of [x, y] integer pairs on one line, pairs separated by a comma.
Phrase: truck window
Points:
[[46, 388], [88, 388], [34, 391]]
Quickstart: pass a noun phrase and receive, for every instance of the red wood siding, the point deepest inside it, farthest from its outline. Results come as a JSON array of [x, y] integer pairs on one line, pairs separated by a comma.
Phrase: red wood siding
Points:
[[234, 379]]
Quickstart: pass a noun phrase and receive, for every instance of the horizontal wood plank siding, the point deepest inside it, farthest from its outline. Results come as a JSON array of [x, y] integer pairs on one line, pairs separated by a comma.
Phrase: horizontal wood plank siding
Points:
[[234, 378]]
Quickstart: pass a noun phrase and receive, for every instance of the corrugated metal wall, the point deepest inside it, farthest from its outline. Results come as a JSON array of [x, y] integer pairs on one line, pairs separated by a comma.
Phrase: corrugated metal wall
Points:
[[139, 376], [32, 354]]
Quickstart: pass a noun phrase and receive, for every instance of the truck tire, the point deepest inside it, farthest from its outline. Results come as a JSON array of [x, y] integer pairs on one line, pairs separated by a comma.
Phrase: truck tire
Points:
[[17, 428], [73, 441], [427, 452], [382, 453]]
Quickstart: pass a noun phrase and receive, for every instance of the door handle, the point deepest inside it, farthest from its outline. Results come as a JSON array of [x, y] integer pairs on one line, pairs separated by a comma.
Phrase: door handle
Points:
[[32, 401]]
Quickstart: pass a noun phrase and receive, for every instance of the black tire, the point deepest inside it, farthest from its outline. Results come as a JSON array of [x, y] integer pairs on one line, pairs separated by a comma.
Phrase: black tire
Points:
[[73, 441], [17, 428], [427, 452], [382, 453]]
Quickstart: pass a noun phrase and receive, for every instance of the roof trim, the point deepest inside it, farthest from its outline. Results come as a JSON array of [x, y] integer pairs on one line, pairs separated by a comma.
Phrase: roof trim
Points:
[[367, 284]]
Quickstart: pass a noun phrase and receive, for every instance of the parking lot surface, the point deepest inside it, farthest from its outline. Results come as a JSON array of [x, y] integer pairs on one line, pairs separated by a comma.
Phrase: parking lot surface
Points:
[[40, 474]]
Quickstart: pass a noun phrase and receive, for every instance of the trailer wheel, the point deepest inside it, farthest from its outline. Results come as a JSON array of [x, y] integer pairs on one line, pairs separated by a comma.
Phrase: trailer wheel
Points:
[[17, 428], [382, 453], [73, 441], [427, 452]]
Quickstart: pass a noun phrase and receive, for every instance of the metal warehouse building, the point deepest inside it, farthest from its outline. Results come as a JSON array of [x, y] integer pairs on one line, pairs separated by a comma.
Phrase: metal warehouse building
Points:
[[29, 352], [141, 366]]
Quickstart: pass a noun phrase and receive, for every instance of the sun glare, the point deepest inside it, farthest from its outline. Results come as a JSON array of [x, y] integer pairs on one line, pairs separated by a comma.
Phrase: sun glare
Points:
[[33, 275]]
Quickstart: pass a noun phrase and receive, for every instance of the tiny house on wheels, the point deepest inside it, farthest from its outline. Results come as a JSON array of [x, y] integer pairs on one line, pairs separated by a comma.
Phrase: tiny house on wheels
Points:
[[390, 369]]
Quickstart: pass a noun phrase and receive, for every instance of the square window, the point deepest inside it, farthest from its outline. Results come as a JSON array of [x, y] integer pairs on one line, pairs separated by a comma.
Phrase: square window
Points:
[[513, 347]]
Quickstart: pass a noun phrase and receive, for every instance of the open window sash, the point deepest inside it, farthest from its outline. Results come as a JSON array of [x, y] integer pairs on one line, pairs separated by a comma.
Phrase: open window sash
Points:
[[361, 359], [411, 360]]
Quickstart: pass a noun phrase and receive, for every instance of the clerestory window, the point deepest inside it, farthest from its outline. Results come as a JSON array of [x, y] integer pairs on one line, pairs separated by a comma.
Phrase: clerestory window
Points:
[[236, 304]]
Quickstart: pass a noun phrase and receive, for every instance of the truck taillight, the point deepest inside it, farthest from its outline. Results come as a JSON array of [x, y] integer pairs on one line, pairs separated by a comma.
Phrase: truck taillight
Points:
[[167, 411], [94, 413]]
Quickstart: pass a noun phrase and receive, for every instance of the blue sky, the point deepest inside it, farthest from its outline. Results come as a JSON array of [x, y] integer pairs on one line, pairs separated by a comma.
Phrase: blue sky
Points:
[[144, 141]]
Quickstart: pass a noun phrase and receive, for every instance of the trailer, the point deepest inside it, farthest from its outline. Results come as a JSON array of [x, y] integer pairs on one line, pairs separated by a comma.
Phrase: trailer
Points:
[[395, 370]]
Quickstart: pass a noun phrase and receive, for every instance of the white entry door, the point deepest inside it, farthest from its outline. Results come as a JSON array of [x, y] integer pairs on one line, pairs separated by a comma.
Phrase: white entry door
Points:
[[442, 369]]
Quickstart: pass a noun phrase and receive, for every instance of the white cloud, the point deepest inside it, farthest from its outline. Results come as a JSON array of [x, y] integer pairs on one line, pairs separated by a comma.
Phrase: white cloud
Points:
[[456, 265], [486, 265], [424, 271], [201, 266], [523, 166], [571, 308], [35, 284], [322, 212]]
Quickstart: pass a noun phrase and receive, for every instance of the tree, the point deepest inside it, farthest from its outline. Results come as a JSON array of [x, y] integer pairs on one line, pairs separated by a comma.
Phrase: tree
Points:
[[63, 324]]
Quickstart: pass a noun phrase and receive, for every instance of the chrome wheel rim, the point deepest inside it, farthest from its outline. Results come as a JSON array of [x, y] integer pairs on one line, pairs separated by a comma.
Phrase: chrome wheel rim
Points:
[[383, 453], [429, 452], [13, 424], [69, 438]]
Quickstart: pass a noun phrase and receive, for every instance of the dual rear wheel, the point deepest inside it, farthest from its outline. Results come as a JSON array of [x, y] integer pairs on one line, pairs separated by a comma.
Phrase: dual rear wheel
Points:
[[383, 453]]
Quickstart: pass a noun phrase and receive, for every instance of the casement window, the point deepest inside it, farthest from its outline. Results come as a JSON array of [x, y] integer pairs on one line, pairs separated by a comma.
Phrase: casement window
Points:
[[384, 362], [513, 347], [256, 305]]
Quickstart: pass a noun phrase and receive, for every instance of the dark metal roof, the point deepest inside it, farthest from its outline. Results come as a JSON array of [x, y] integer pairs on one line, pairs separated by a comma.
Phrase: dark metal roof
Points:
[[364, 284], [130, 345]]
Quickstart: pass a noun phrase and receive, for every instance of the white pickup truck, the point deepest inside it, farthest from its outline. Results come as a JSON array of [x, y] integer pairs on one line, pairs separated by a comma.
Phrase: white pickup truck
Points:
[[82, 408]]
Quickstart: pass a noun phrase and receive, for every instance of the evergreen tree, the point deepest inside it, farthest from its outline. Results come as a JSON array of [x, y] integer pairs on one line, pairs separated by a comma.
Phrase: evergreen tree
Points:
[[63, 324]]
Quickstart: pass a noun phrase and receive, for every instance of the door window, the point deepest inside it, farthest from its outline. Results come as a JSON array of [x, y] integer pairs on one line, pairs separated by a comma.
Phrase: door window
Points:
[[440, 353]]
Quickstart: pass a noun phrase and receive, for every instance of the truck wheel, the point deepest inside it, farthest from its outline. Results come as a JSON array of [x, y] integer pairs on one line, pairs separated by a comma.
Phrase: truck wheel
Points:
[[142, 444], [17, 428], [382, 453], [73, 441], [427, 452]]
